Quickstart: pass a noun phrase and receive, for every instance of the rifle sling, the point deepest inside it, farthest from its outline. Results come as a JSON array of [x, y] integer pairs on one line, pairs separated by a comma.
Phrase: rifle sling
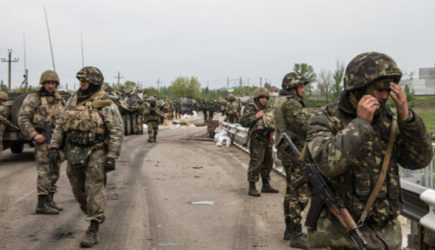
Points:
[[381, 176]]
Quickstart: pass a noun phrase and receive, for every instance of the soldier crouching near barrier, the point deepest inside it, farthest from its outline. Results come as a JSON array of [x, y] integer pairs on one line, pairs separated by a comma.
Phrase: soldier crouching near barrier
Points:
[[356, 146], [259, 118], [92, 129], [5, 109], [36, 118]]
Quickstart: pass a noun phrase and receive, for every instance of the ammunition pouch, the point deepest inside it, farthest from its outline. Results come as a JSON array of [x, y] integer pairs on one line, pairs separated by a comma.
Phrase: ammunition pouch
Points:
[[85, 138]]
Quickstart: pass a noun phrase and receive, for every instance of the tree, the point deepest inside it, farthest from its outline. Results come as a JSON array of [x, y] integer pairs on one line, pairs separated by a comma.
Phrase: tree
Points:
[[307, 71], [154, 92], [338, 77], [325, 83], [409, 96], [183, 86]]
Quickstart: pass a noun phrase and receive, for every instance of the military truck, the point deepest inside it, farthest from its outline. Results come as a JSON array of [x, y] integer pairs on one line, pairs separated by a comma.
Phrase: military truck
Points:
[[186, 105], [129, 107]]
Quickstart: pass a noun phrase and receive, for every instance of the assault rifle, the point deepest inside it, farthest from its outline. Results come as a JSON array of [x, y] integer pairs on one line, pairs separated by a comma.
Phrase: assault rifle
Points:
[[9, 123], [47, 132], [322, 195]]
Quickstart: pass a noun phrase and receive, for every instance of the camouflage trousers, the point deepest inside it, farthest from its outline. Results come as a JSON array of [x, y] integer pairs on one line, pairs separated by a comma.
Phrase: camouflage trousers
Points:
[[153, 128], [88, 183], [331, 235], [46, 180], [204, 113], [261, 161], [429, 239], [295, 200], [139, 123], [210, 115]]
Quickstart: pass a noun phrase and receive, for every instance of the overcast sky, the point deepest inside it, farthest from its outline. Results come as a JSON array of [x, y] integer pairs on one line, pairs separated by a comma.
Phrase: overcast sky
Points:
[[210, 39]]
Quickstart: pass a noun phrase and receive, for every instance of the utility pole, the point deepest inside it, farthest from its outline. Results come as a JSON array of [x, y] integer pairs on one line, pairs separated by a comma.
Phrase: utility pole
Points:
[[261, 82], [119, 77], [83, 56], [9, 61], [25, 82], [240, 82]]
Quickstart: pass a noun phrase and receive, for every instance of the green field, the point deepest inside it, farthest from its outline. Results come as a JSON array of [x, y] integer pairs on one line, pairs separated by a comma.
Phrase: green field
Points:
[[425, 107]]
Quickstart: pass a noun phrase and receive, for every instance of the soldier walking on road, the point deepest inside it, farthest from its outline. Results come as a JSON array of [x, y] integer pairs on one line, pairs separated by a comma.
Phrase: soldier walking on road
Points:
[[153, 117], [259, 118], [92, 128], [37, 117], [5, 109], [292, 118], [355, 144]]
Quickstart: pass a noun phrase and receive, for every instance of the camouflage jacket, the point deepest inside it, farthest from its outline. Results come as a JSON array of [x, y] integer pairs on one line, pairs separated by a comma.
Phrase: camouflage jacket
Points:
[[5, 109], [258, 127], [113, 124], [292, 118], [31, 115], [153, 114], [349, 153]]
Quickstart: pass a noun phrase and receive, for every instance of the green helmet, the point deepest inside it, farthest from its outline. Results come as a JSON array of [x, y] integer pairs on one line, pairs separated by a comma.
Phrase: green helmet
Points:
[[369, 67], [49, 76], [261, 92], [91, 74], [293, 80], [3, 96]]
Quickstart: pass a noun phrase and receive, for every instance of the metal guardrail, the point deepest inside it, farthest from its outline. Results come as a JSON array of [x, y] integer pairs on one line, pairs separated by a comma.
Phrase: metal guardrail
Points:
[[417, 193]]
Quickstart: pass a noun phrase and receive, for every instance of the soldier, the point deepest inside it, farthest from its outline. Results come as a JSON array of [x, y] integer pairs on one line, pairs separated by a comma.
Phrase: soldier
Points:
[[5, 109], [292, 118], [232, 110], [153, 117], [37, 117], [259, 118], [203, 108], [349, 143], [210, 108], [92, 129], [429, 239]]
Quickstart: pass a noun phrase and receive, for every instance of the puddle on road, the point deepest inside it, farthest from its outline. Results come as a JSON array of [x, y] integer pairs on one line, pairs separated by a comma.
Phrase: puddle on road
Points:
[[210, 203]]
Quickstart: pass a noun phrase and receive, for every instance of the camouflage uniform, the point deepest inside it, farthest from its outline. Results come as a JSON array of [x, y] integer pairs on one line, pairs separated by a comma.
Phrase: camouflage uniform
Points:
[[261, 142], [349, 151], [429, 239], [210, 108], [203, 108], [92, 129], [292, 118], [232, 110], [39, 108], [5, 109], [153, 117]]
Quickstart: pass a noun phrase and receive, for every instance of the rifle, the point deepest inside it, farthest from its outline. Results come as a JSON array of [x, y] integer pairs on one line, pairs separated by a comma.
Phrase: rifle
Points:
[[9, 123], [47, 132], [322, 195]]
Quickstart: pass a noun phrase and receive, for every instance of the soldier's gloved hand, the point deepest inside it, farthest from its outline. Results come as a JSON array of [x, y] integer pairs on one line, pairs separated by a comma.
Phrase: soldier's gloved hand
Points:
[[109, 164], [53, 154]]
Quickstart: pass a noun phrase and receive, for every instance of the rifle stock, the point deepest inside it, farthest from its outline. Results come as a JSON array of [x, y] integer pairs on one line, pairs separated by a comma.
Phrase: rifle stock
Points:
[[323, 195]]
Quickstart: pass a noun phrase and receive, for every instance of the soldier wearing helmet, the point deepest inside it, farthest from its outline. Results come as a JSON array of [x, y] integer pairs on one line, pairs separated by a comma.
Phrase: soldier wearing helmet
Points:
[[292, 117], [5, 109], [36, 118], [348, 141], [92, 129], [153, 117], [258, 117]]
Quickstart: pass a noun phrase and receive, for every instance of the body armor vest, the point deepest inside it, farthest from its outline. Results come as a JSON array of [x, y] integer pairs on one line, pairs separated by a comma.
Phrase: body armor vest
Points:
[[49, 110]]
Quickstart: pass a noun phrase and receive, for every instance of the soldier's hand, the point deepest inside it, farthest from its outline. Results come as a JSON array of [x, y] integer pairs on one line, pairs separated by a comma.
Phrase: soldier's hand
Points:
[[399, 98], [259, 114], [367, 106], [109, 164], [39, 138], [53, 154]]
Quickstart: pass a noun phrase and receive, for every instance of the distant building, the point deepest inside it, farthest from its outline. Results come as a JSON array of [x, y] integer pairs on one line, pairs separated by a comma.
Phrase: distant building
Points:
[[424, 85]]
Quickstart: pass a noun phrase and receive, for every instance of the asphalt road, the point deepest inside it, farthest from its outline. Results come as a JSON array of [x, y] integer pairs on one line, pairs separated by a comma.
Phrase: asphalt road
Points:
[[182, 192]]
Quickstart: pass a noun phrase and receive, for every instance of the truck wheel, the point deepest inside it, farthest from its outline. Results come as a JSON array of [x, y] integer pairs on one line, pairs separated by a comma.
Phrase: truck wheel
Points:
[[17, 148]]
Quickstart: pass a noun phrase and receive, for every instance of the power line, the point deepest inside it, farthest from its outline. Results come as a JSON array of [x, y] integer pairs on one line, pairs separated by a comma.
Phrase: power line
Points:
[[9, 61]]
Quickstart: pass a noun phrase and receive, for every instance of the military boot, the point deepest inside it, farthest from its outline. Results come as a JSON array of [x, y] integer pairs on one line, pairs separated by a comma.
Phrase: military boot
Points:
[[297, 238], [287, 231], [52, 203], [252, 190], [90, 237], [267, 188], [43, 207]]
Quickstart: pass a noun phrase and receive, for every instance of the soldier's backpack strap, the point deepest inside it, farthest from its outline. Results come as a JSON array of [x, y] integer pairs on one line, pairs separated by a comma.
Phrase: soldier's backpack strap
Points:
[[382, 174]]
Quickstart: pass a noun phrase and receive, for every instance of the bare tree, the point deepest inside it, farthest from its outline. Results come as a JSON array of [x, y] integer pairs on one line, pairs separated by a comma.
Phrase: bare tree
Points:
[[325, 83], [338, 77]]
